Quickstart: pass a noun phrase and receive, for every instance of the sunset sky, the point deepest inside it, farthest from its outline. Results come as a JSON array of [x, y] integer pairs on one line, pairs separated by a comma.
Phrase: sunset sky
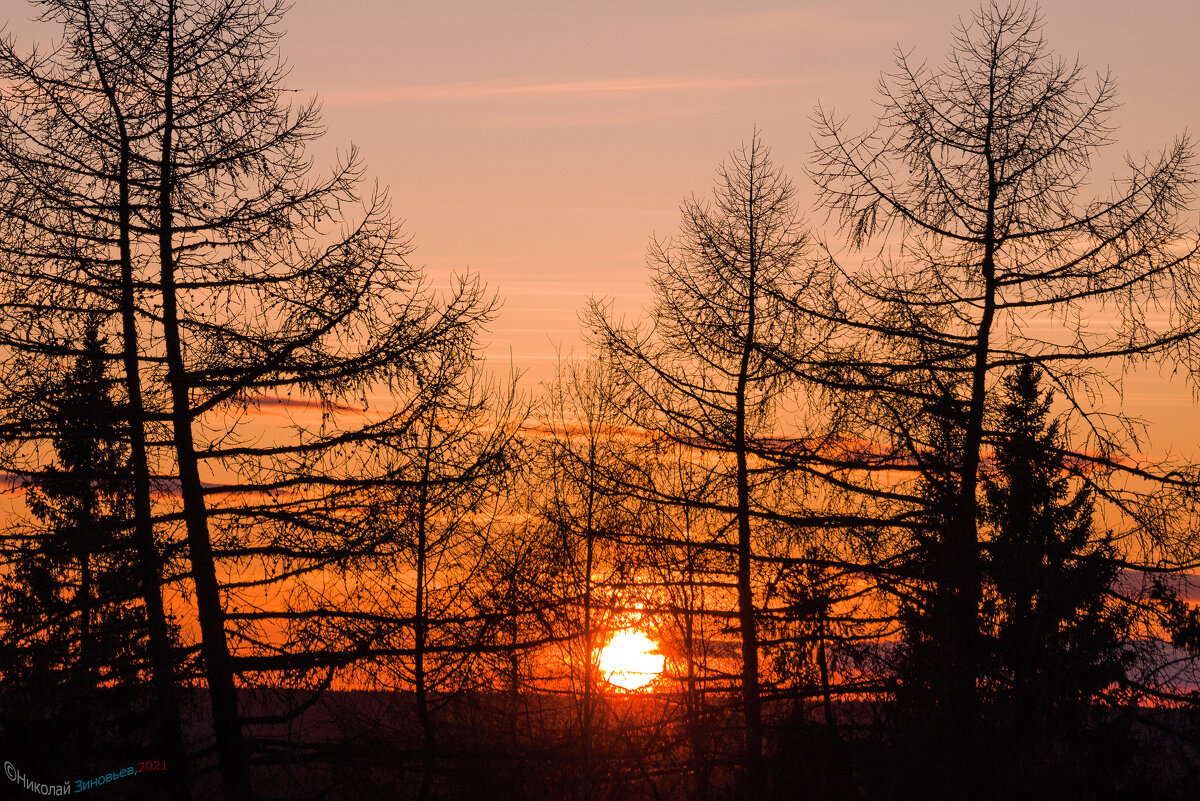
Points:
[[543, 143], [266, 523]]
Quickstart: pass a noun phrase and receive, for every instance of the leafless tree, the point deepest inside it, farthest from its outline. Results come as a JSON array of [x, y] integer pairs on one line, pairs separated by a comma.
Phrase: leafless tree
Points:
[[709, 369], [972, 181], [582, 436], [438, 517], [157, 144]]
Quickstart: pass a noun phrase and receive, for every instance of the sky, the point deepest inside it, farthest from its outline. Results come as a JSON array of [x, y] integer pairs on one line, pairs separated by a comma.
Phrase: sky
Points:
[[542, 144]]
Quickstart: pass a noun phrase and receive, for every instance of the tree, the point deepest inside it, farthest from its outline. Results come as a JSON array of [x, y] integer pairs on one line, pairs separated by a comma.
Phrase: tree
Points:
[[69, 174], [157, 140], [515, 596], [451, 475], [973, 177], [706, 371], [74, 634], [580, 463], [689, 588], [1058, 638]]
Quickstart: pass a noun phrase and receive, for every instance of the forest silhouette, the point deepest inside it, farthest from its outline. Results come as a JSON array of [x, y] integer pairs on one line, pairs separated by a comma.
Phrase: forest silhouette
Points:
[[869, 503]]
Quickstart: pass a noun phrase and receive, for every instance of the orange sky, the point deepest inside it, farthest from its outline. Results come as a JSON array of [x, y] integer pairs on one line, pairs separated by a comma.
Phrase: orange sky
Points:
[[542, 143]]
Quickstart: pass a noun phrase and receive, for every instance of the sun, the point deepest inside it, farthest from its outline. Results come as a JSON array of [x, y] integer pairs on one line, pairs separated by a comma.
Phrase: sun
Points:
[[629, 660]]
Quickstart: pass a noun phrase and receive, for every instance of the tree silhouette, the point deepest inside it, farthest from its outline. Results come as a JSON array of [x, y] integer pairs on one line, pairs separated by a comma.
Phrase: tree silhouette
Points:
[[690, 578], [75, 633], [880, 522], [706, 371], [580, 460], [70, 181], [973, 178], [157, 141], [437, 517], [1057, 638]]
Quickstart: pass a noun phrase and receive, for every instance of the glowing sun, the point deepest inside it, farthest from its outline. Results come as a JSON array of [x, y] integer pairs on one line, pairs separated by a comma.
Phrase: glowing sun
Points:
[[629, 660]]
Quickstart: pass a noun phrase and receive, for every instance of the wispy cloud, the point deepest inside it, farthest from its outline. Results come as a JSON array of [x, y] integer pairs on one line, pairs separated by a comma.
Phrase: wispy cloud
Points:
[[380, 95], [264, 403], [159, 485]]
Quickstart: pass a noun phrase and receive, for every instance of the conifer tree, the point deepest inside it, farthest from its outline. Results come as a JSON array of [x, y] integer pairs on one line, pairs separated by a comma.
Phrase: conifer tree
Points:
[[712, 368], [1057, 638], [74, 638]]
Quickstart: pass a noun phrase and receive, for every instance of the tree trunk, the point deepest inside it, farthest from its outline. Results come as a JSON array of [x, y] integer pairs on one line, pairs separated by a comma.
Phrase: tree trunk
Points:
[[589, 643], [960, 695], [218, 665], [823, 665], [86, 675], [420, 624], [695, 701], [162, 657], [755, 772]]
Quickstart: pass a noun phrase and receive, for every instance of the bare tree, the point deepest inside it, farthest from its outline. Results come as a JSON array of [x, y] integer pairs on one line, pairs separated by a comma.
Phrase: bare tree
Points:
[[158, 141], [972, 178], [587, 523], [709, 369], [69, 182], [439, 512], [688, 585]]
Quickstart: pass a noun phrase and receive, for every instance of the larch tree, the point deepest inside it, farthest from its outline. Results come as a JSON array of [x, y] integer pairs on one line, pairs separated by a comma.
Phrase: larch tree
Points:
[[69, 180], [438, 516], [688, 588], [154, 163], [972, 184], [709, 369], [585, 522]]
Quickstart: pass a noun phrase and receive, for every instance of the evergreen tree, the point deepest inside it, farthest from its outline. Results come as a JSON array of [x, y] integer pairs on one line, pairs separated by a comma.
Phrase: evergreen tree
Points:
[[1057, 637], [74, 631], [926, 602]]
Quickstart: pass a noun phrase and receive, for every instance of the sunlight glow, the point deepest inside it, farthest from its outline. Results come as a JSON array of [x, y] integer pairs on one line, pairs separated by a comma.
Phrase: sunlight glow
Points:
[[629, 660]]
